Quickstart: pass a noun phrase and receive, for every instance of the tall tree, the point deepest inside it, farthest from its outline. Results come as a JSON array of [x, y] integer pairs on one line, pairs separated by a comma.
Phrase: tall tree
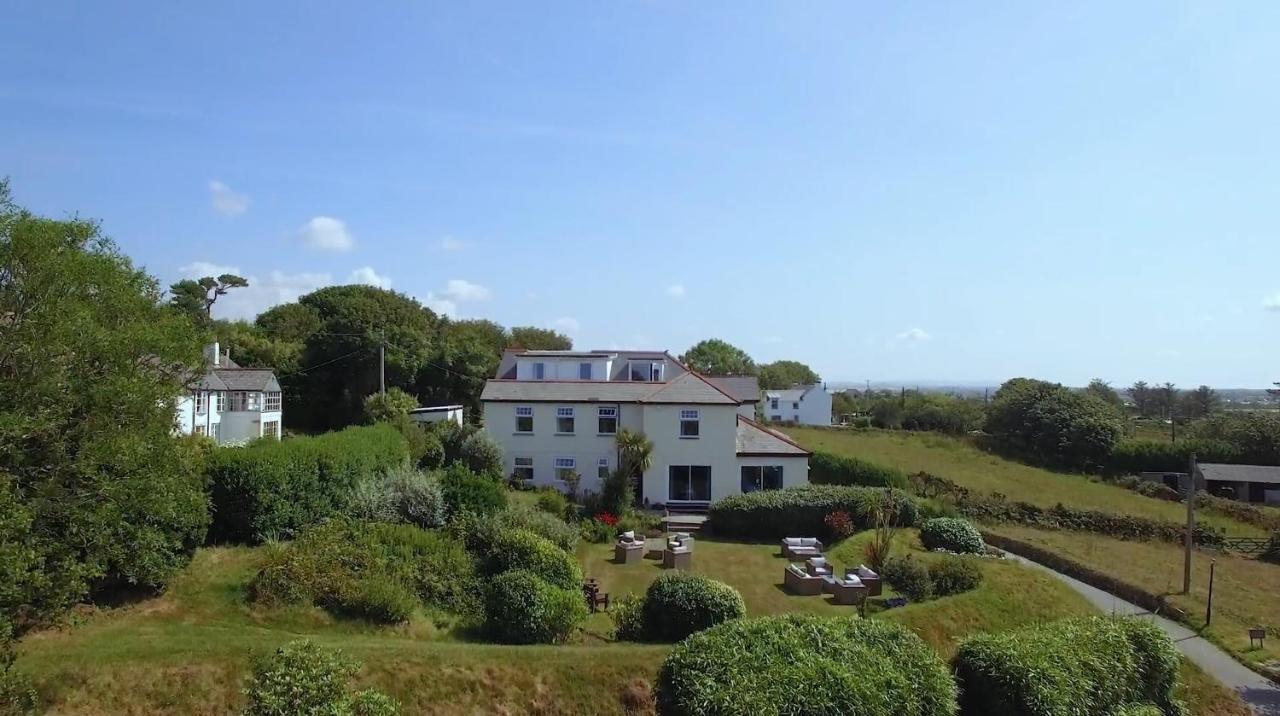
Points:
[[716, 357], [1167, 399], [1141, 395], [94, 489], [1201, 402], [1102, 390], [539, 339], [1274, 393], [196, 297], [786, 373], [466, 354]]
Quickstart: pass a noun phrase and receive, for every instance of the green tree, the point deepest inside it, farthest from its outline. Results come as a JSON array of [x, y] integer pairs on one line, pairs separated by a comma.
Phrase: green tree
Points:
[[467, 353], [195, 297], [538, 339], [716, 357], [1051, 424], [388, 407], [1103, 391], [782, 374], [635, 456], [94, 489], [1141, 395], [1201, 402]]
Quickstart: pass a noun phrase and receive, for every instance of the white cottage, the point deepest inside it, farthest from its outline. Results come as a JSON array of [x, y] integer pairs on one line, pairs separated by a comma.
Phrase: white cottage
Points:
[[231, 404]]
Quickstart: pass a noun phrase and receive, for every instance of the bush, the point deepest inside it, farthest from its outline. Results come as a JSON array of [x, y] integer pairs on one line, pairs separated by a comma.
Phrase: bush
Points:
[[482, 455], [1092, 665], [17, 695], [521, 549], [1137, 710], [465, 491], [627, 615], [419, 498], [829, 469], [796, 664], [909, 577], [593, 530], [278, 487], [678, 604], [553, 502], [952, 534], [373, 500], [1049, 423], [519, 517], [953, 575], [522, 608], [389, 406], [1133, 456], [432, 451], [376, 598], [303, 678], [801, 511]]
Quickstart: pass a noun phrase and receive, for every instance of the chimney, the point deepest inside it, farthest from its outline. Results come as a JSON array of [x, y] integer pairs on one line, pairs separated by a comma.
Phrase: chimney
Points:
[[228, 354], [211, 354]]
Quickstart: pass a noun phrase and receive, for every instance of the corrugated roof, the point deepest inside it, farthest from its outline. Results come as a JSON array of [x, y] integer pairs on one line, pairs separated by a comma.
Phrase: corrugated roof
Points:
[[756, 439], [1241, 473], [248, 379], [746, 388], [686, 388]]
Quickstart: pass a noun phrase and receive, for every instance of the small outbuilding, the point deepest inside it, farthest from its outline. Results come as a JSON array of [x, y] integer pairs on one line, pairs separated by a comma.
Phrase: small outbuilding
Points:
[[437, 413], [1247, 483]]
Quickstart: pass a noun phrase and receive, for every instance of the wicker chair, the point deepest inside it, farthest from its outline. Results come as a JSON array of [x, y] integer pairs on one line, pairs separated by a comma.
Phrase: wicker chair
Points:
[[797, 581], [628, 552], [875, 586], [848, 591], [677, 558], [801, 547]]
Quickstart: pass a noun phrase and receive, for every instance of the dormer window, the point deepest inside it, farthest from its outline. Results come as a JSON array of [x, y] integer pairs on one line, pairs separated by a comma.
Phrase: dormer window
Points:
[[539, 371], [645, 371], [584, 371]]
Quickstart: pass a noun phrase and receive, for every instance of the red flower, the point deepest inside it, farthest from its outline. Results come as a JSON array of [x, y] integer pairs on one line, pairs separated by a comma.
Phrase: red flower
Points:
[[607, 518]]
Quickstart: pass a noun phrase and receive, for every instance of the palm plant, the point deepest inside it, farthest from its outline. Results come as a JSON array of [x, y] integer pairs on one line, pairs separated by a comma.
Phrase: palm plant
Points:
[[635, 456]]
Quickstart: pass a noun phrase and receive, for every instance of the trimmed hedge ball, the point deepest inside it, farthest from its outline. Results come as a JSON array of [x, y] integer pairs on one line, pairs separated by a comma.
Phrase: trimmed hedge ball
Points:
[[679, 604], [796, 664], [1093, 665], [522, 608], [522, 549], [952, 534]]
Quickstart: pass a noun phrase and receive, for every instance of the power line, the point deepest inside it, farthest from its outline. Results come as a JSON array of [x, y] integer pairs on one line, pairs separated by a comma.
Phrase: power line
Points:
[[321, 365]]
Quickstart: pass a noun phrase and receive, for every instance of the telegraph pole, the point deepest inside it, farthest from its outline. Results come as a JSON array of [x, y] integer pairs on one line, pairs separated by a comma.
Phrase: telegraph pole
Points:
[[382, 363], [1191, 524]]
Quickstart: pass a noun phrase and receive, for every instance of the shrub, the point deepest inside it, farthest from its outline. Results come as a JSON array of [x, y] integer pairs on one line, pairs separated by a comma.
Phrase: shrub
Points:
[[437, 567], [389, 406], [839, 524], [1050, 423], [800, 511], [519, 517], [678, 604], [830, 469], [553, 502], [465, 491], [1088, 666], [17, 695], [522, 608], [432, 451], [303, 678], [482, 455], [909, 577], [1137, 710], [1133, 456], [627, 615], [376, 598], [521, 549], [953, 574], [593, 530], [796, 664], [372, 500], [278, 487], [419, 498], [952, 534]]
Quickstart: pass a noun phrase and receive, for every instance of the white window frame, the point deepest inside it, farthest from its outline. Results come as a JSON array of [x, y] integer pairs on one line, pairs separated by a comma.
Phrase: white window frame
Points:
[[273, 401], [602, 468], [524, 411], [652, 369], [275, 429], [199, 430], [202, 402], [606, 413], [566, 412], [220, 400], [690, 416], [773, 403], [564, 463], [522, 463]]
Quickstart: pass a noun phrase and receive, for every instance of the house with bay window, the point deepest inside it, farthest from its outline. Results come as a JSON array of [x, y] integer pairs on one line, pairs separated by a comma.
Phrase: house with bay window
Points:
[[230, 404], [557, 412]]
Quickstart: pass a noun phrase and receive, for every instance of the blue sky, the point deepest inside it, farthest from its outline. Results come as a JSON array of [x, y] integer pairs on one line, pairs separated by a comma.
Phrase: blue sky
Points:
[[907, 191]]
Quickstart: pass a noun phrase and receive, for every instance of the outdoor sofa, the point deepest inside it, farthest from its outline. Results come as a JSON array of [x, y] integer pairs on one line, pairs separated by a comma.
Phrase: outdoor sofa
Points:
[[801, 547]]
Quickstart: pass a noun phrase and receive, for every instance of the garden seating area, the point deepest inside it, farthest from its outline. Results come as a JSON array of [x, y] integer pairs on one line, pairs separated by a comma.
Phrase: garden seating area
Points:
[[675, 550], [801, 547], [816, 575]]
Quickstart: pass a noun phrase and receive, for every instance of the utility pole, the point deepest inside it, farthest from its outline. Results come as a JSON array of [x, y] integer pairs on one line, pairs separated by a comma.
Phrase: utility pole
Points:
[[1208, 610], [382, 363], [1191, 524]]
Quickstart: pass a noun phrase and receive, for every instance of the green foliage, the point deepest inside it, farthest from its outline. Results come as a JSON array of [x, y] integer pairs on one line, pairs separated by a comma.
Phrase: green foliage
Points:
[[593, 530], [805, 665], [1048, 423], [388, 406], [513, 549], [952, 534], [303, 679], [17, 695], [431, 451], [909, 577], [482, 455], [401, 495], [93, 485], [538, 339], [1139, 455], [801, 511], [543, 524], [195, 297], [678, 604], [523, 608], [783, 374], [465, 491], [830, 469], [627, 615], [1254, 435], [716, 357], [1092, 665], [275, 488], [1137, 710], [954, 574], [366, 569], [553, 502]]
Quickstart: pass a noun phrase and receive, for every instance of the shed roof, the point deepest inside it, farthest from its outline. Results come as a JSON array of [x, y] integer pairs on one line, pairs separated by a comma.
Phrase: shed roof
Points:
[[1269, 474], [756, 439]]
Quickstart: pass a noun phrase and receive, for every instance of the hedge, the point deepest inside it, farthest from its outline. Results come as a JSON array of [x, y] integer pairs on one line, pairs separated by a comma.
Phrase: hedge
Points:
[[952, 534], [794, 664], [274, 488], [523, 608], [1092, 665], [830, 469], [679, 604], [522, 549], [1142, 455], [801, 511]]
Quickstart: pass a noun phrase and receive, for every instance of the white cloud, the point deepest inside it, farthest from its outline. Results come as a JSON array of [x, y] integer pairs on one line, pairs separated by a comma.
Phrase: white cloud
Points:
[[326, 234], [456, 291], [226, 201], [442, 306], [262, 292], [449, 243], [676, 291], [200, 269], [1272, 302], [567, 324], [366, 275], [914, 335]]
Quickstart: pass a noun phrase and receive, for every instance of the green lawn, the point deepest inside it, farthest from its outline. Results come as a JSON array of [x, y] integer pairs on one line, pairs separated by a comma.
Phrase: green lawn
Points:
[[961, 462]]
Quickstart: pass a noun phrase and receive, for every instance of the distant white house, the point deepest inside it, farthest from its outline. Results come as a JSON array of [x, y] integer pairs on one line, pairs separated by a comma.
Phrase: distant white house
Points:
[[230, 404], [556, 412], [803, 404], [437, 414]]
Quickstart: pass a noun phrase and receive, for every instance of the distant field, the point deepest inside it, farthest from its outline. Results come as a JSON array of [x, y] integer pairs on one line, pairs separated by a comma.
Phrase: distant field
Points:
[[963, 463]]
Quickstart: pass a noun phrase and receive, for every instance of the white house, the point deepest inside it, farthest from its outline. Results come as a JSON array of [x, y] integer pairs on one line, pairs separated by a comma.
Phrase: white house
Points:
[[804, 404], [230, 404], [559, 411]]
